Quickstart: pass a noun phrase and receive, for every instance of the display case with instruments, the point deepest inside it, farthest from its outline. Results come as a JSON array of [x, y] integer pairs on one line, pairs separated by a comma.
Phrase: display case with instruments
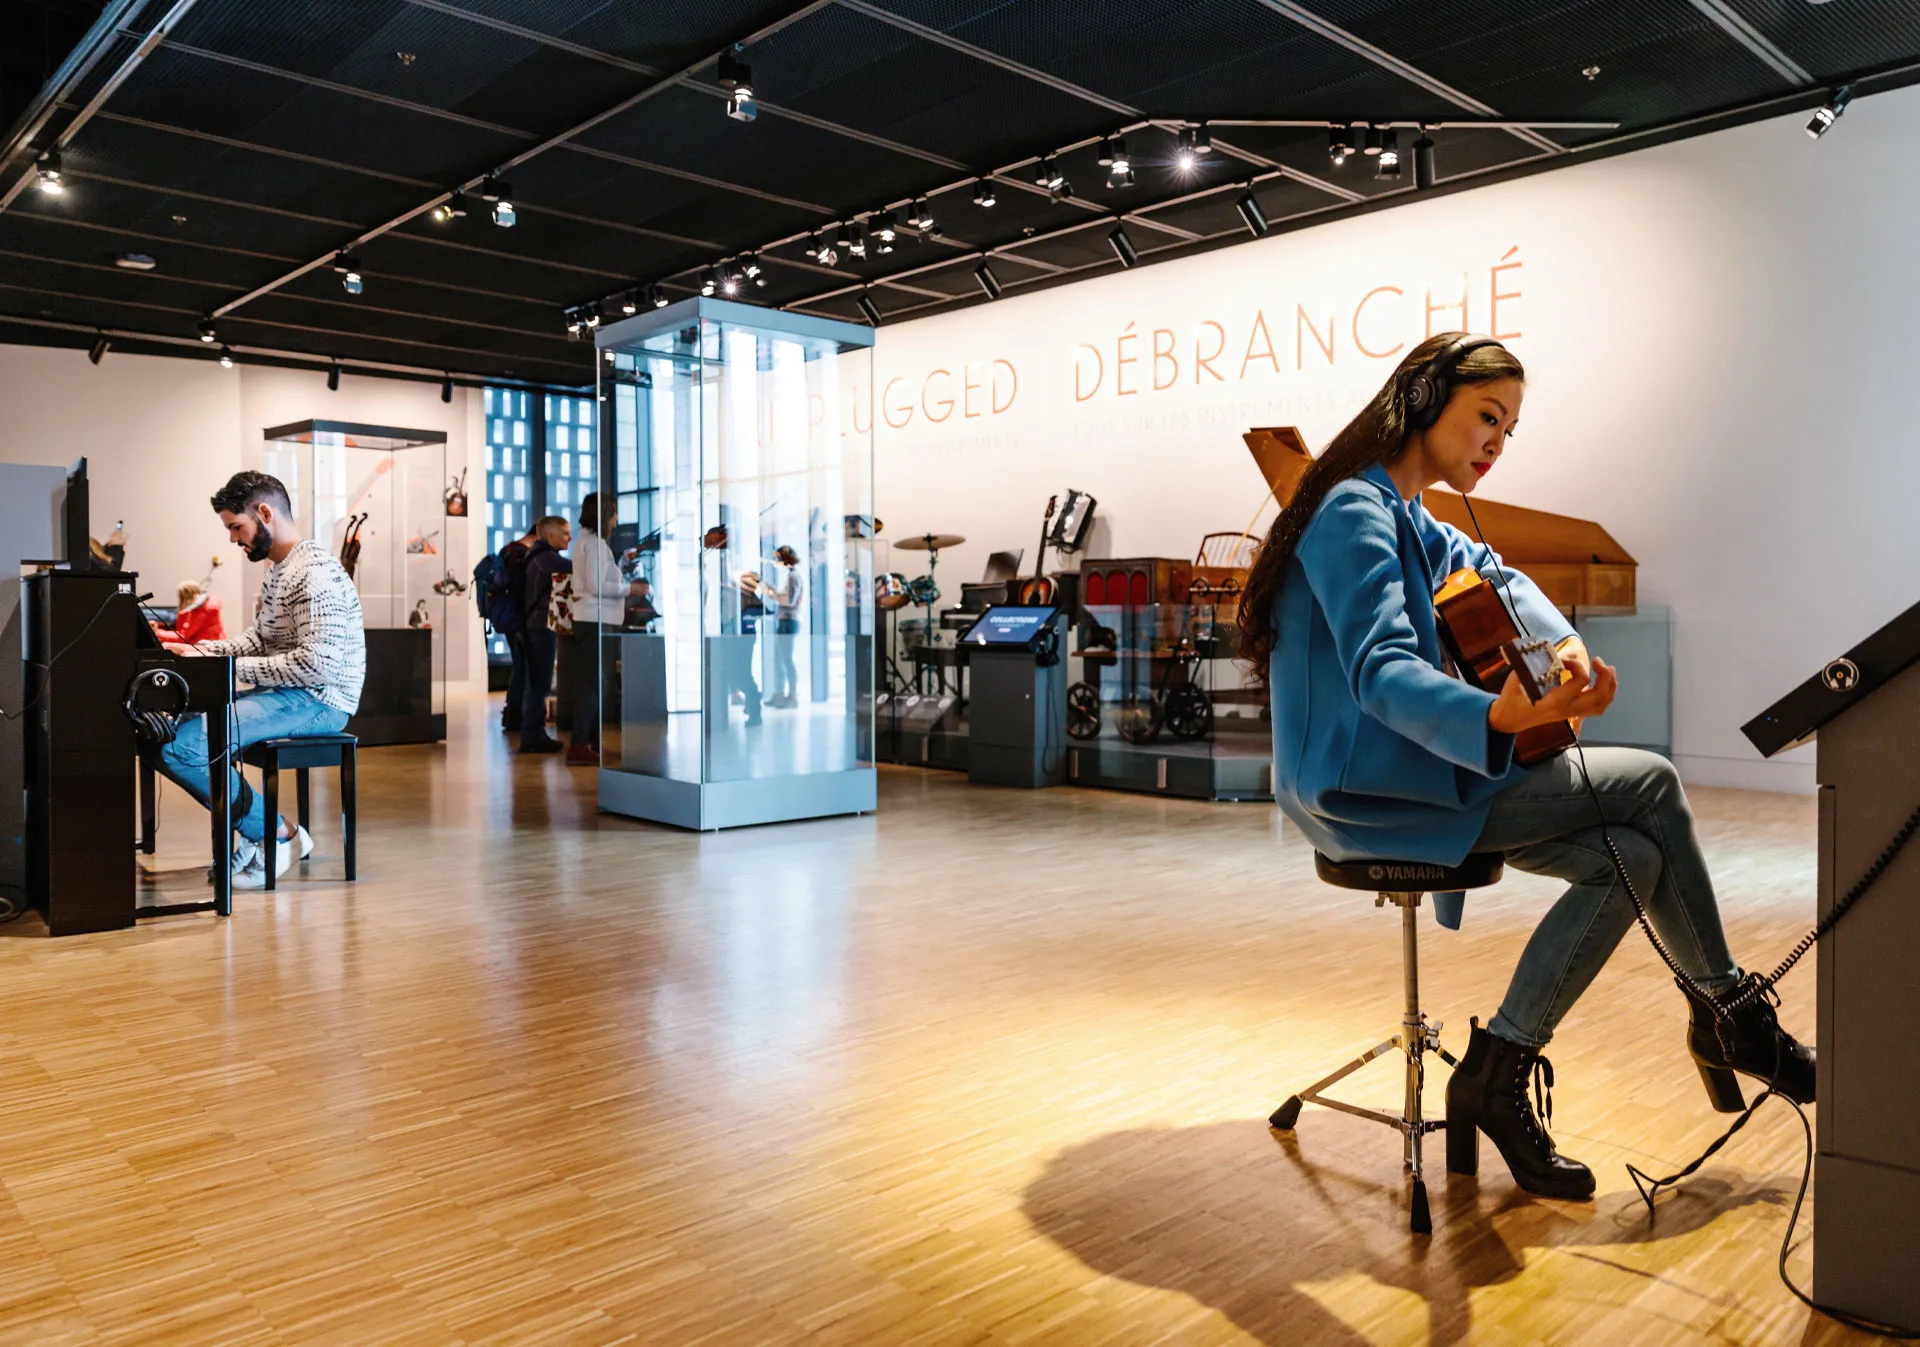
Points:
[[376, 496], [741, 433]]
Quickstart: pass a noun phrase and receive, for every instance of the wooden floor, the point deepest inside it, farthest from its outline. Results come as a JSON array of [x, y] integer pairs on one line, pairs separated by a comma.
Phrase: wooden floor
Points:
[[990, 1067]]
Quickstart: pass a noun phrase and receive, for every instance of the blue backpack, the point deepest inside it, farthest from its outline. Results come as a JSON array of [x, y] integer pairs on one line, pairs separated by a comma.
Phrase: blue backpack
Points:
[[507, 591]]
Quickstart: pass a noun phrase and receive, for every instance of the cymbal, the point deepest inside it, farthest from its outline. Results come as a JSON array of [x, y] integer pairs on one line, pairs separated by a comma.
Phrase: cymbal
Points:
[[929, 542]]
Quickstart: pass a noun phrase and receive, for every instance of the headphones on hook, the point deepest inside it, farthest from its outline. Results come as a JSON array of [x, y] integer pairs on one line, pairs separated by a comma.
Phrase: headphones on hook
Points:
[[158, 724], [1425, 394]]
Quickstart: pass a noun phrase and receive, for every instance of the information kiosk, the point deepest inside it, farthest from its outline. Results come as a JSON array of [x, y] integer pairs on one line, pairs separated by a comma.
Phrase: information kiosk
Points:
[[1018, 713]]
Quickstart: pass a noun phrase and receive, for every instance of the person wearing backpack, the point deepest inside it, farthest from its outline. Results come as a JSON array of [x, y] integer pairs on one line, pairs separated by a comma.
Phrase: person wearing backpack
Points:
[[504, 607], [544, 563]]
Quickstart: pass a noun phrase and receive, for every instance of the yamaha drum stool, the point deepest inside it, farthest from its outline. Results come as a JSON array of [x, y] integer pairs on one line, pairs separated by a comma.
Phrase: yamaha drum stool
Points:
[[1403, 884]]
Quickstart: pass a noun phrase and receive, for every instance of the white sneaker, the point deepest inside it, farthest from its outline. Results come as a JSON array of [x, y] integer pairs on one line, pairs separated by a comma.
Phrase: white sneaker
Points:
[[299, 834], [243, 854], [253, 875]]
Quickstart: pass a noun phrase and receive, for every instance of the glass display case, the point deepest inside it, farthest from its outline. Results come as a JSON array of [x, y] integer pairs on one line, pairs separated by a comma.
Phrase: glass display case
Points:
[[737, 686], [377, 497]]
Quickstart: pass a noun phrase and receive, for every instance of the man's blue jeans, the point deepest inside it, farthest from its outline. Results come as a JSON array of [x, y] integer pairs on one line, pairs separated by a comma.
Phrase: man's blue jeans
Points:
[[260, 713], [1545, 823]]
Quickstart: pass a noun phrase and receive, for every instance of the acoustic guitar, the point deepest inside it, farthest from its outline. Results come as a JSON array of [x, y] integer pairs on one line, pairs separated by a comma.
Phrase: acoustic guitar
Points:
[[1041, 590], [1479, 634]]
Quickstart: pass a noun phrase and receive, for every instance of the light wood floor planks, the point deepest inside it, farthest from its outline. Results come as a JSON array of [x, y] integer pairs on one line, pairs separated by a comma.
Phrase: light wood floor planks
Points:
[[992, 1067]]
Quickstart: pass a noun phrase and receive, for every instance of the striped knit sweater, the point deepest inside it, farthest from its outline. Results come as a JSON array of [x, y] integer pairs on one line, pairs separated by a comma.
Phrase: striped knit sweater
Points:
[[309, 633]]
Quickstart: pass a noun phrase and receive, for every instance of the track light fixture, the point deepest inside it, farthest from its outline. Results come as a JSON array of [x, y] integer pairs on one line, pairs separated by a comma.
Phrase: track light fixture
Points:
[[453, 208], [1250, 211], [1194, 142], [206, 329], [988, 281], [1339, 143], [503, 212], [1371, 146], [920, 216], [1389, 155], [1114, 158], [659, 296], [736, 77], [750, 266], [1123, 247], [1824, 116], [729, 281], [884, 226], [226, 360], [709, 282], [573, 323], [446, 389], [868, 309], [100, 348], [50, 180], [333, 377], [1106, 150], [983, 194], [822, 250], [592, 316], [630, 303], [856, 234], [1047, 174], [349, 270], [1425, 174]]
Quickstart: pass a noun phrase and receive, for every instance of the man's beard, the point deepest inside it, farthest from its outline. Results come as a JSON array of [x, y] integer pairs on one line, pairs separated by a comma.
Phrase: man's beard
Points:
[[262, 541]]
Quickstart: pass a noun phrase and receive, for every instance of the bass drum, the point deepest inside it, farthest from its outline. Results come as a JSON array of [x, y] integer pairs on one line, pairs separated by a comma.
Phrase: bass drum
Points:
[[890, 591]]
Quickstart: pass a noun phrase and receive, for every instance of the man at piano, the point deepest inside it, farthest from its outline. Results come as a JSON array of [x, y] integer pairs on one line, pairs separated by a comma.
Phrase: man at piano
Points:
[[305, 658]]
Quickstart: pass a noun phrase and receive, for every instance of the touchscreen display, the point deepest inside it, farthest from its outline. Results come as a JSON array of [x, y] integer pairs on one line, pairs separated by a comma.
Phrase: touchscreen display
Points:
[[1009, 626]]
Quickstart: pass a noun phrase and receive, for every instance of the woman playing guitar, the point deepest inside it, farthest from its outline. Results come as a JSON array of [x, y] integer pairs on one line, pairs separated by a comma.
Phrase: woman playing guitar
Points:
[[1379, 751]]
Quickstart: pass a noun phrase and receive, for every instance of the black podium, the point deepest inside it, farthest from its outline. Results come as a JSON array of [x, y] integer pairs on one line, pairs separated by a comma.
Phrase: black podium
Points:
[[1017, 718], [1865, 708]]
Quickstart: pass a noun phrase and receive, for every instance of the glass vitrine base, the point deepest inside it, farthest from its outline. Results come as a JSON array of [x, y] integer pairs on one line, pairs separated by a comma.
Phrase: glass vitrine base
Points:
[[739, 804]]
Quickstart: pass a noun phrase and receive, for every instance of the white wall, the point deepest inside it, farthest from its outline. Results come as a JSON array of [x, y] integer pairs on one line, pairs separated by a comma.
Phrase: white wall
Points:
[[161, 435], [1719, 340]]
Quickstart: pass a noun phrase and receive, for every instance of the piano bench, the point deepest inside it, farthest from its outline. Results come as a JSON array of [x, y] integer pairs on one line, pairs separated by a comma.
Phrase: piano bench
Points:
[[301, 754]]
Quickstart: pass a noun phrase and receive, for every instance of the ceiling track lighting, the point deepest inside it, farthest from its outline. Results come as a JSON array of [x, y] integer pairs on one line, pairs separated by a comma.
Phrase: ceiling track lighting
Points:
[[658, 296], [1194, 143], [988, 281], [333, 378], [1250, 212], [1824, 116], [573, 323], [736, 77], [868, 309], [729, 281], [1047, 174], [1389, 162], [453, 208], [983, 194], [349, 270], [1425, 172], [1120, 176], [205, 329], [226, 361], [1123, 247], [630, 303], [592, 315], [100, 348], [1339, 143], [856, 234], [920, 217], [446, 389], [709, 282], [1372, 144], [51, 181]]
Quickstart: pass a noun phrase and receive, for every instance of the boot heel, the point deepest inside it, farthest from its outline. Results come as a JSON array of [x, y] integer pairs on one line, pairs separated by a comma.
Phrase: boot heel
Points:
[[1723, 1089], [1463, 1146]]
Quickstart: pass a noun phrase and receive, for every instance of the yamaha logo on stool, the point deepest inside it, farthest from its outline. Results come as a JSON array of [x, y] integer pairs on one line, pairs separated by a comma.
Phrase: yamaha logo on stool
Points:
[[1377, 873], [1841, 676]]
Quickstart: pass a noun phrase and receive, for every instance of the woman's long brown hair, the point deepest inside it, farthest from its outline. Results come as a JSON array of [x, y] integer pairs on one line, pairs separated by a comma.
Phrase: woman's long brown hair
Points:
[[1378, 434]]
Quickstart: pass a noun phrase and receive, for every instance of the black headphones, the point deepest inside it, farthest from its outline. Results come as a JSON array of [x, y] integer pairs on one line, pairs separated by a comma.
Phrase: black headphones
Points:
[[1426, 390], [156, 723], [1046, 645]]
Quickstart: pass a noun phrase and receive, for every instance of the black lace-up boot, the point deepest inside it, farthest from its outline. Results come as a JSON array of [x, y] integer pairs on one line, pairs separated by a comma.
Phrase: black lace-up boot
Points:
[[1488, 1093], [1750, 1041]]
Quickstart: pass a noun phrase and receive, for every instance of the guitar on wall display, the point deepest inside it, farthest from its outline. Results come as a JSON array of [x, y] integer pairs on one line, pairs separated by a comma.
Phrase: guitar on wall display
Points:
[[1479, 634], [1041, 590]]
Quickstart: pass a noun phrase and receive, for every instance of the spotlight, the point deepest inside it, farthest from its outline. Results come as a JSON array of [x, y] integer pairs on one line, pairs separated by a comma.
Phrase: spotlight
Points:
[[1250, 211], [750, 266], [501, 195], [1424, 173], [573, 323], [1120, 175], [869, 309], [453, 208], [983, 194], [843, 239], [630, 303], [1106, 150], [858, 234], [1339, 143], [333, 378], [823, 250], [814, 246], [226, 358], [1184, 157], [206, 330], [1047, 174], [1389, 155], [1123, 247], [988, 281], [709, 282], [736, 76], [729, 281], [51, 182], [349, 270], [1202, 141], [659, 297], [1061, 190], [1114, 158], [136, 261], [446, 389], [1824, 117], [884, 226], [593, 315], [100, 348], [1372, 144], [921, 217]]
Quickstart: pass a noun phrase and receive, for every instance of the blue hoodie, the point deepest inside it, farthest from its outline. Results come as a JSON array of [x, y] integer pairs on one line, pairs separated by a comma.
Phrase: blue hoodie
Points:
[[1378, 751]]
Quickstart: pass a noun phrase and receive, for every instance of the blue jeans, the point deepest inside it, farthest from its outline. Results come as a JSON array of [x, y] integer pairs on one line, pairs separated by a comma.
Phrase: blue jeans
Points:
[[541, 645], [260, 713], [1545, 824]]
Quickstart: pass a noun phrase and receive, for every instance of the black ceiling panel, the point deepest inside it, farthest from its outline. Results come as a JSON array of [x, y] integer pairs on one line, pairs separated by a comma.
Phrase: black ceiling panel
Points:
[[263, 135]]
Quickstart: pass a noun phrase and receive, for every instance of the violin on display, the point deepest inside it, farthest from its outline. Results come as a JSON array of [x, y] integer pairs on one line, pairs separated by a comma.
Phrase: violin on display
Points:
[[1480, 635]]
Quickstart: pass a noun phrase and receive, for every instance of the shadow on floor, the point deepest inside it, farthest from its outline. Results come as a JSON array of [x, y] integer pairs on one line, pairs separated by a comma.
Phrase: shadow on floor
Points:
[[1245, 1221]]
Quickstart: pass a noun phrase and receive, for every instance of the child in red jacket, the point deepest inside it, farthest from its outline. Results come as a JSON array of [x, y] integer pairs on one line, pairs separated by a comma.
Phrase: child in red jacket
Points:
[[198, 618]]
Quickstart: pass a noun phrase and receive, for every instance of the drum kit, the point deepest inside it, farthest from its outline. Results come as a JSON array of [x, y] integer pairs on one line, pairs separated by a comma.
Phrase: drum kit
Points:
[[893, 591]]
